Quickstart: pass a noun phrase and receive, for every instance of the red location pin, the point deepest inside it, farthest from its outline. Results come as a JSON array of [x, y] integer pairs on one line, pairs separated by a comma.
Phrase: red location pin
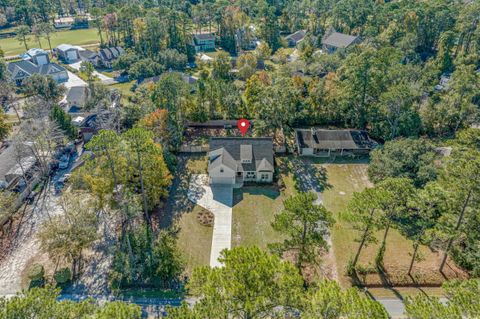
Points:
[[243, 126]]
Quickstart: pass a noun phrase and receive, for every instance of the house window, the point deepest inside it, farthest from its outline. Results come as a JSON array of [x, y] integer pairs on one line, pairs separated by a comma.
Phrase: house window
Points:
[[250, 174], [264, 177], [221, 170]]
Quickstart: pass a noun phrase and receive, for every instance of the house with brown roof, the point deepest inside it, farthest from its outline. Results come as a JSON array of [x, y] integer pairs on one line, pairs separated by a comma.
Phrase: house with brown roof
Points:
[[235, 160], [326, 143]]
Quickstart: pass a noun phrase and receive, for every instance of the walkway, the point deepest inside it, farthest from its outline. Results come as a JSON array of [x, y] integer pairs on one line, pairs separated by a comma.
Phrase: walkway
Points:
[[218, 200], [102, 77]]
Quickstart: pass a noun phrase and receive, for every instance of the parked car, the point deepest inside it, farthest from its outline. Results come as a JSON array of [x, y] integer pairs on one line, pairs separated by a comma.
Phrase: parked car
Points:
[[31, 197], [64, 161]]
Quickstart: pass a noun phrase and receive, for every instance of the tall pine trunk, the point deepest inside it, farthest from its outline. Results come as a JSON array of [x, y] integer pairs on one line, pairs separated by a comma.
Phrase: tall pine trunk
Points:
[[457, 227], [414, 256], [364, 239]]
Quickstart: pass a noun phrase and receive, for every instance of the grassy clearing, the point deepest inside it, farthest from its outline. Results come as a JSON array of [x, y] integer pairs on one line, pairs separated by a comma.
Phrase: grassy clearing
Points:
[[255, 207], [11, 46], [344, 180], [124, 88], [194, 240]]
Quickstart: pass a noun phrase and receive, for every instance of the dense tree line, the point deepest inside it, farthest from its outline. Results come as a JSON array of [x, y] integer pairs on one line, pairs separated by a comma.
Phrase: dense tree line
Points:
[[385, 85], [254, 284]]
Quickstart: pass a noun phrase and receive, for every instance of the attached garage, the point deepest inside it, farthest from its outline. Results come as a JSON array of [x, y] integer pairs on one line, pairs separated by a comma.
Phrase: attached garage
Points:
[[68, 53], [222, 180]]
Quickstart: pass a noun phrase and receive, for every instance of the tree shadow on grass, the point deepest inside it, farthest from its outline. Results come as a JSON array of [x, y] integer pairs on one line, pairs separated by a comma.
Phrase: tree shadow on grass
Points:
[[266, 190], [309, 177]]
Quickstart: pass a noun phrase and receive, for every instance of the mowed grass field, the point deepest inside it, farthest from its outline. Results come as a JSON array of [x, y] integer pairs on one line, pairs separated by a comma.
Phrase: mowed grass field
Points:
[[11, 46], [194, 239], [255, 207], [344, 180]]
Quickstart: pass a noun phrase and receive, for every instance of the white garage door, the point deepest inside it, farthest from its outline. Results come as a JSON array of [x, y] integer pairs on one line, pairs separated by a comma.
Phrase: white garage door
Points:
[[223, 180]]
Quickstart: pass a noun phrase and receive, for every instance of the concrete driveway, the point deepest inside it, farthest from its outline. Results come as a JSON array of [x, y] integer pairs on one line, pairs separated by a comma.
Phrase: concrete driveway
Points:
[[73, 81], [218, 200], [102, 77]]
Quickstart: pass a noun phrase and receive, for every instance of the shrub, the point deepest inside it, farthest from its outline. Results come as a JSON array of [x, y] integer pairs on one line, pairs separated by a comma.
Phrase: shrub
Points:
[[36, 274], [63, 277]]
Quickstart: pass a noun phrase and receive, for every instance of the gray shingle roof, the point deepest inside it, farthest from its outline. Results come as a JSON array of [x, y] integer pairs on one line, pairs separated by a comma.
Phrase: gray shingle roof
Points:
[[21, 69], [50, 68], [77, 93], [297, 36], [205, 36], [231, 150], [338, 40], [87, 54], [334, 139], [109, 54]]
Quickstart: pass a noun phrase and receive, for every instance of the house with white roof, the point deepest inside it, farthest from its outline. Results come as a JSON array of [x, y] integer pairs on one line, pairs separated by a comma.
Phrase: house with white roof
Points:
[[68, 53]]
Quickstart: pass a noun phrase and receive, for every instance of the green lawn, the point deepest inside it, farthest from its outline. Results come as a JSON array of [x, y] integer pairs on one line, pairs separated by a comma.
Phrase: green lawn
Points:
[[124, 88], [11, 46], [255, 207], [194, 240], [344, 180]]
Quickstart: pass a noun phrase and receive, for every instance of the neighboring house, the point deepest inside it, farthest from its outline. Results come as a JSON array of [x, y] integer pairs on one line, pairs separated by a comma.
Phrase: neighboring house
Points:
[[295, 38], [64, 23], [326, 143], [21, 70], [68, 53], [233, 161], [204, 42], [333, 40], [245, 39], [89, 56], [108, 55], [76, 98], [444, 82], [37, 56], [21, 169]]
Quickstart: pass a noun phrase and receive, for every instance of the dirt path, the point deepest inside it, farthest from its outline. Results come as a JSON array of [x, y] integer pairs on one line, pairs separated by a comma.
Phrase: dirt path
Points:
[[97, 262], [25, 244], [310, 178]]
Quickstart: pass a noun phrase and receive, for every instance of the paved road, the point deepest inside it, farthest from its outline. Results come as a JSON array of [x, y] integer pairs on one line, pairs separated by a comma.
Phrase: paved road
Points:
[[151, 307], [396, 308], [102, 77], [218, 200]]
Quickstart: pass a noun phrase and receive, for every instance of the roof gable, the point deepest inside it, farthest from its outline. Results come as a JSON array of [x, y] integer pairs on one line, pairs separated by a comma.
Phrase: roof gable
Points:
[[338, 40], [235, 149]]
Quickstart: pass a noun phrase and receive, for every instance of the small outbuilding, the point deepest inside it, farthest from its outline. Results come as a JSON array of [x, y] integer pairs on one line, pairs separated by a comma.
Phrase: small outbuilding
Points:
[[295, 38], [326, 143]]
